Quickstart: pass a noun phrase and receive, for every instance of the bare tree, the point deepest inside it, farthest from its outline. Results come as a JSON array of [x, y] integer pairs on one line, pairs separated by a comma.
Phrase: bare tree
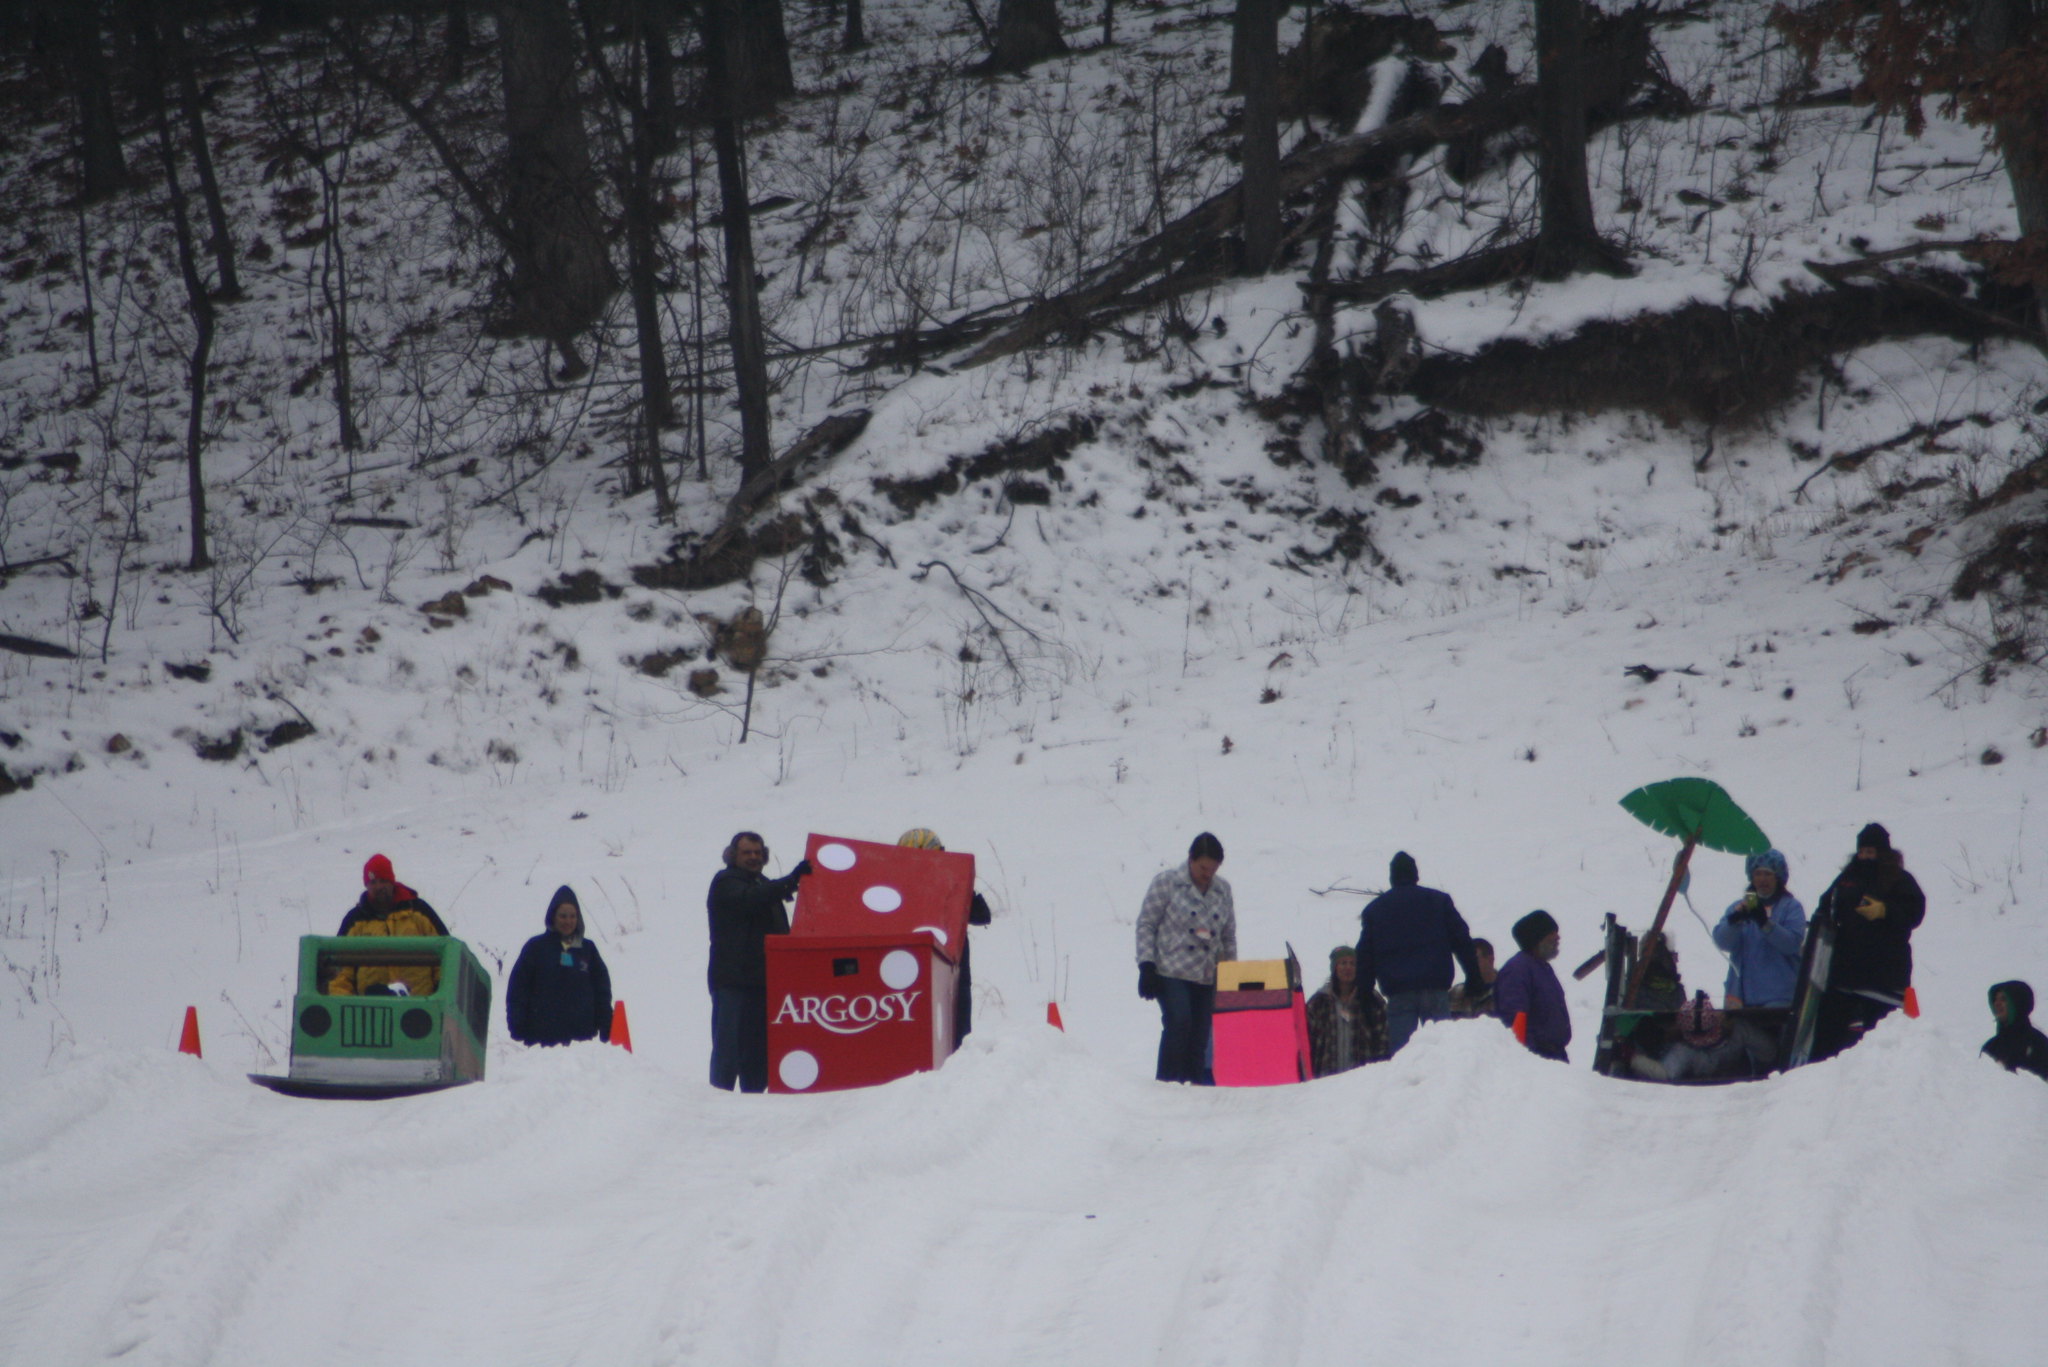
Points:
[[74, 32], [221, 237], [197, 298], [561, 271], [723, 65], [1259, 153], [305, 141], [629, 92]]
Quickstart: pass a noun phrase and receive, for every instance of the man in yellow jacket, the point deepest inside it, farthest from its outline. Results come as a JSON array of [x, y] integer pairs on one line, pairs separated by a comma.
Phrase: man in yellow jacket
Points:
[[387, 907]]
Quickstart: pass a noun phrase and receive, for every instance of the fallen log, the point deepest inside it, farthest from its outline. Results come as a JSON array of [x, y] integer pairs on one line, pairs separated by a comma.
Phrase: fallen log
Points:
[[23, 645]]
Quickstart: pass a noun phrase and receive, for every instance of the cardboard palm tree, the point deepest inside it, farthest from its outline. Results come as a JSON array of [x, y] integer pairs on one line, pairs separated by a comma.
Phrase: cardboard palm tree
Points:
[[1699, 812]]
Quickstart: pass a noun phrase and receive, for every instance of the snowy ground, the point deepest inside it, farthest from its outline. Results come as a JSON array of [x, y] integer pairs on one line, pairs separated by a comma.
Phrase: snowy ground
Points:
[[1175, 662]]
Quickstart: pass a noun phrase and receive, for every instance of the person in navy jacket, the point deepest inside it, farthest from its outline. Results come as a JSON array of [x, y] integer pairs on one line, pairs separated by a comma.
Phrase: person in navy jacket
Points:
[[1408, 939], [560, 990], [1527, 983]]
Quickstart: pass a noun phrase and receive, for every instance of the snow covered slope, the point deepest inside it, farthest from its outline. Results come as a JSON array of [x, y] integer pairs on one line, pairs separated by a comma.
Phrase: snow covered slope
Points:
[[1174, 639]]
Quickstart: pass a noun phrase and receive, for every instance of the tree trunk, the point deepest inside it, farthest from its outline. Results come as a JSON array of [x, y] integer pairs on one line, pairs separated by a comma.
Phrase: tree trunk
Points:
[[657, 405], [1996, 27], [1568, 239], [196, 298], [657, 19], [756, 53], [1027, 32], [102, 168], [856, 28], [334, 291], [561, 272], [1260, 149], [456, 41], [223, 238], [743, 304]]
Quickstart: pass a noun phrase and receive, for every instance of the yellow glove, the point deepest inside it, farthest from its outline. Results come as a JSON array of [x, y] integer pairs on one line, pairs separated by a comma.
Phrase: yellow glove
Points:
[[1870, 909]]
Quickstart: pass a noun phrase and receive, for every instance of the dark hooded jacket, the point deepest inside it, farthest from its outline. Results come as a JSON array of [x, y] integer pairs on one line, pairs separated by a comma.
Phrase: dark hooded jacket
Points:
[[745, 909], [1409, 935], [559, 990], [2018, 1043], [1873, 956]]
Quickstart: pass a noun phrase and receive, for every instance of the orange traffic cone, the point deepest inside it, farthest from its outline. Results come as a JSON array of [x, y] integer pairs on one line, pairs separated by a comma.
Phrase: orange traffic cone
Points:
[[622, 1034], [1912, 1004], [1052, 1017], [1521, 1027], [188, 1042]]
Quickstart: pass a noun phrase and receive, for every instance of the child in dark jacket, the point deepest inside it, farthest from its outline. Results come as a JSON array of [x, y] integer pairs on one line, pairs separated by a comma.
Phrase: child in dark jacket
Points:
[[560, 990], [2018, 1043]]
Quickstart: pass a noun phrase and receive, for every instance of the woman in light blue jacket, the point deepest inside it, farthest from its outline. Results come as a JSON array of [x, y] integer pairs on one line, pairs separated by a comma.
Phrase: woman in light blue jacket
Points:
[[1761, 933]]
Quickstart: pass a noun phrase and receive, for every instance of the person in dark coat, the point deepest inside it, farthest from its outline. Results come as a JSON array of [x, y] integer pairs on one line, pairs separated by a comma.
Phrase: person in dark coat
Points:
[[1528, 985], [1874, 906], [2018, 1043], [1408, 937], [745, 907], [560, 991], [978, 914]]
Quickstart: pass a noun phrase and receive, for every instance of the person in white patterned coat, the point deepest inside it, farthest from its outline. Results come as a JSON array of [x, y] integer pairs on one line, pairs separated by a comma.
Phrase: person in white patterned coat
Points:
[[1187, 925]]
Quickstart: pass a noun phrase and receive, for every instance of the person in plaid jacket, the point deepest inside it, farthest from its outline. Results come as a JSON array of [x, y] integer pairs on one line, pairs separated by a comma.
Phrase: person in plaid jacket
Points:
[[1187, 924], [1346, 1026]]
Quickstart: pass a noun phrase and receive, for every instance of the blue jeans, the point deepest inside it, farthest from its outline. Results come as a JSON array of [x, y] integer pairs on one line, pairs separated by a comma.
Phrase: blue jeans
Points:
[[1185, 1009], [739, 1038], [1406, 1010]]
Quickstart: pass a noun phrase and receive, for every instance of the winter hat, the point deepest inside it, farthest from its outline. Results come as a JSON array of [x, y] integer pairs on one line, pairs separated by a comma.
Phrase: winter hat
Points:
[[1342, 952], [1769, 859], [1401, 869], [2018, 997], [1532, 929], [1699, 1024], [377, 868], [1874, 837], [919, 838], [564, 894]]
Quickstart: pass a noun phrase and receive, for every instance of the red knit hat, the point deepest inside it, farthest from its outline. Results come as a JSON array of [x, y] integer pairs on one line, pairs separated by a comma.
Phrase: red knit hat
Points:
[[376, 867]]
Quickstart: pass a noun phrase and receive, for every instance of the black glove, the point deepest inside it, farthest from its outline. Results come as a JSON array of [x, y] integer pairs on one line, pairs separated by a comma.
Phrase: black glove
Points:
[[802, 870], [1148, 982]]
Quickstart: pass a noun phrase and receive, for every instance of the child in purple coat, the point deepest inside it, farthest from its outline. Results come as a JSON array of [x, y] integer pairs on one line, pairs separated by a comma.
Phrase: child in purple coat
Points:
[[1528, 984]]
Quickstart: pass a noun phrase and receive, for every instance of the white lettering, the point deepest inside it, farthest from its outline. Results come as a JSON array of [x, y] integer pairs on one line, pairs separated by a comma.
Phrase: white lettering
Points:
[[849, 1015]]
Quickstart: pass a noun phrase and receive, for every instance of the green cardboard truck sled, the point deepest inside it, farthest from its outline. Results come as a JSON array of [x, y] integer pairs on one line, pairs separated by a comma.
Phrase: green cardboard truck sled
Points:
[[368, 1045]]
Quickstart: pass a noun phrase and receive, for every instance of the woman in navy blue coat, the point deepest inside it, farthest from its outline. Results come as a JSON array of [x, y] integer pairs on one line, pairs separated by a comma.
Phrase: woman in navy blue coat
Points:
[[560, 989]]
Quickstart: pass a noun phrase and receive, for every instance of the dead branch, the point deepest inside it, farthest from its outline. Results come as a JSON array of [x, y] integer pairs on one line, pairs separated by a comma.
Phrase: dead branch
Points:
[[828, 438], [1474, 270], [1852, 460], [1979, 319], [17, 566], [1216, 215], [984, 605]]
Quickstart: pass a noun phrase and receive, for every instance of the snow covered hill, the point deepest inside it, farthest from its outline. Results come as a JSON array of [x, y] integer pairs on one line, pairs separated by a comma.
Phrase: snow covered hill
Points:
[[1175, 625]]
